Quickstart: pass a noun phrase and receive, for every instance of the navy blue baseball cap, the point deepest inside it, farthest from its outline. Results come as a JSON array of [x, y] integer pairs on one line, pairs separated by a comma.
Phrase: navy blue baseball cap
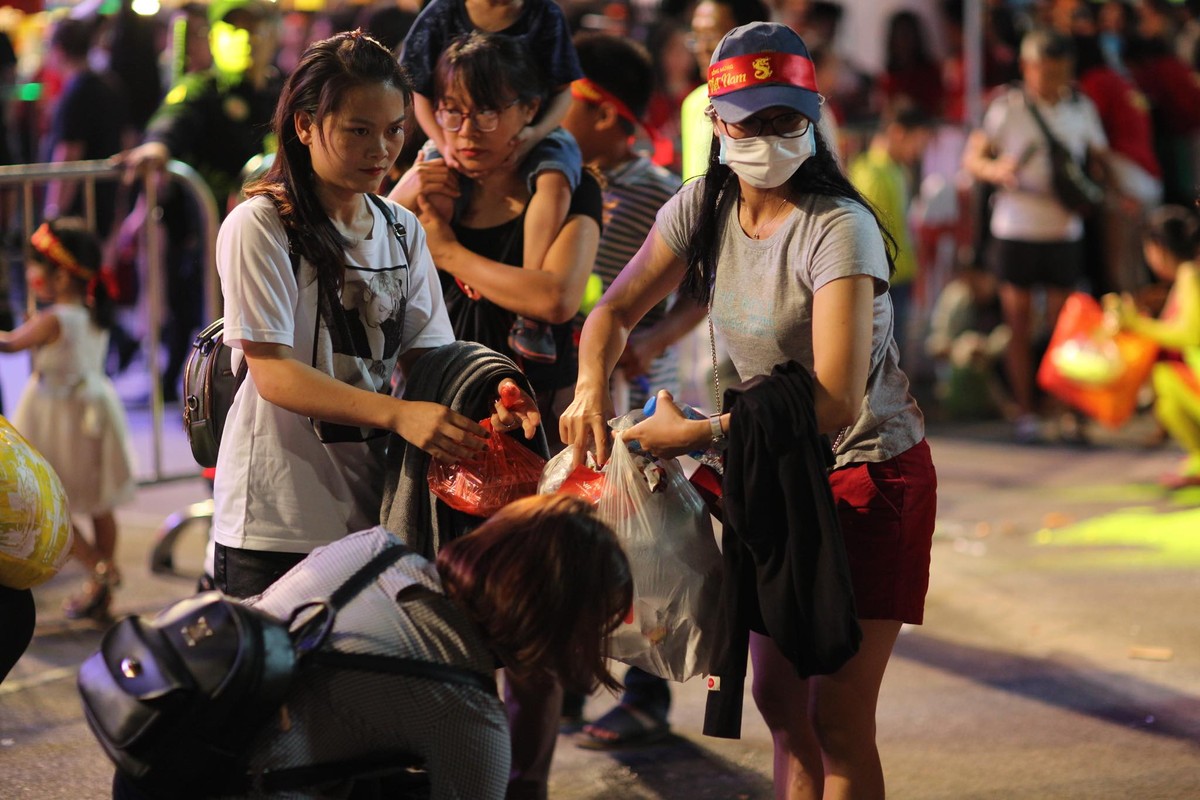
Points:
[[761, 65]]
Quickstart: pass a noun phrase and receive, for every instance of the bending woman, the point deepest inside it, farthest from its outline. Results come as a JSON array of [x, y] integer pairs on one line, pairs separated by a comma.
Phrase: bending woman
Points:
[[486, 90], [540, 586], [802, 276], [306, 263]]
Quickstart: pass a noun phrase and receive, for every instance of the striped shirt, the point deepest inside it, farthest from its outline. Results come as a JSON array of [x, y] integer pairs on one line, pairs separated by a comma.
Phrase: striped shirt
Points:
[[636, 191]]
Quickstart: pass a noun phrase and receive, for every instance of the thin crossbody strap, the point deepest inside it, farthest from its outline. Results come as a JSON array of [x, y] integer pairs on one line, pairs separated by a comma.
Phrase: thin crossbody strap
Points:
[[311, 623]]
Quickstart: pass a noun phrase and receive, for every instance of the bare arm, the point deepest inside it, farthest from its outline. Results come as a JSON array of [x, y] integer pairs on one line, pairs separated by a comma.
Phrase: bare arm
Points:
[[61, 193], [1182, 329], [300, 389], [649, 277], [979, 161], [843, 318], [645, 346], [555, 111], [40, 329]]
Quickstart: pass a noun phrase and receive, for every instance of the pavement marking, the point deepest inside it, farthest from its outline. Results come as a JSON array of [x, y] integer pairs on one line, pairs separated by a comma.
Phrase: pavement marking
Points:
[[49, 676]]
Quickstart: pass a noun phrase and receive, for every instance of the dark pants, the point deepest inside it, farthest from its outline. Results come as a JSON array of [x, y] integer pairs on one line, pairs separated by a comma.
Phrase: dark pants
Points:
[[245, 573], [18, 615], [647, 692]]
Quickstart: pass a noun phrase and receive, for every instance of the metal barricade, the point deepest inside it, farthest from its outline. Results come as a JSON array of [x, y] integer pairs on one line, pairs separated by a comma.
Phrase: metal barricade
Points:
[[28, 176]]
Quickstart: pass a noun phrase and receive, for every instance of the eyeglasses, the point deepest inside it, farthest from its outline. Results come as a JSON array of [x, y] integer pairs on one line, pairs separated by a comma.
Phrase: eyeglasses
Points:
[[789, 126], [485, 120]]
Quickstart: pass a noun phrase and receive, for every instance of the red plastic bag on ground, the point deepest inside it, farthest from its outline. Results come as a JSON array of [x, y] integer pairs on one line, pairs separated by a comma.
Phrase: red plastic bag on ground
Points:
[[1092, 370], [507, 470]]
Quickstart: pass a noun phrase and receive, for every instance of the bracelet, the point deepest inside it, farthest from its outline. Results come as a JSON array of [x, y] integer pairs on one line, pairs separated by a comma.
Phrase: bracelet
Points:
[[719, 439]]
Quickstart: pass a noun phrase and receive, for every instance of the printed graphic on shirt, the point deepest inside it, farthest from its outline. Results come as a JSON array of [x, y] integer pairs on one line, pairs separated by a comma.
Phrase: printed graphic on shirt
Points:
[[358, 337]]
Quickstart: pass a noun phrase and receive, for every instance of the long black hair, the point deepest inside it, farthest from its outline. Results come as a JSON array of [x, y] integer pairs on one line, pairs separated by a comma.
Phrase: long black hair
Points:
[[327, 72], [820, 175]]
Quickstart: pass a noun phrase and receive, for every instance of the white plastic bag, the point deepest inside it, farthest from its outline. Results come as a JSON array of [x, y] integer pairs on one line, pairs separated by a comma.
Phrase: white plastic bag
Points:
[[667, 535]]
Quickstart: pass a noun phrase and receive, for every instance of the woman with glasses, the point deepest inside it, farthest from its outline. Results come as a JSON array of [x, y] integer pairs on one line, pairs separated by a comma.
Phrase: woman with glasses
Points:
[[794, 267], [485, 91], [311, 266]]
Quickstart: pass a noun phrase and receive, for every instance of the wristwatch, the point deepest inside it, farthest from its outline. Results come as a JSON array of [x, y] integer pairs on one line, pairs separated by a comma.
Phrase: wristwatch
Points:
[[719, 439]]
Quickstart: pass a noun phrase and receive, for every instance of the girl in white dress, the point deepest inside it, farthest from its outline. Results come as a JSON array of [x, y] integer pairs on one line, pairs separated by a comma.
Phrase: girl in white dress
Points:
[[69, 410]]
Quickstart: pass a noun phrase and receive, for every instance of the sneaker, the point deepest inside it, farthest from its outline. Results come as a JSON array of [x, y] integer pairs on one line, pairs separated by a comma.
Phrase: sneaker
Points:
[[533, 340]]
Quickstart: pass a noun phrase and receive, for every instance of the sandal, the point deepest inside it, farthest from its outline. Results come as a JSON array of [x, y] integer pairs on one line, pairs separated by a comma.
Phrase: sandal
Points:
[[625, 726], [94, 601]]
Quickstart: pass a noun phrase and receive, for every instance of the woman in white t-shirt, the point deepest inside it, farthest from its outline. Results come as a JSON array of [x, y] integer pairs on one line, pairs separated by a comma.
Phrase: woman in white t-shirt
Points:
[[794, 268], [304, 265], [1037, 242]]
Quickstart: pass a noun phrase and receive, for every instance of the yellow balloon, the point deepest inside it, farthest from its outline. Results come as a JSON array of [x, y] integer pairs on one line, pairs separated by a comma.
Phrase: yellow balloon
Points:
[[35, 520]]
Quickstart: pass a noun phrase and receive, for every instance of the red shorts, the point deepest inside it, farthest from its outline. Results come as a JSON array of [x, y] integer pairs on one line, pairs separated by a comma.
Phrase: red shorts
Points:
[[887, 512]]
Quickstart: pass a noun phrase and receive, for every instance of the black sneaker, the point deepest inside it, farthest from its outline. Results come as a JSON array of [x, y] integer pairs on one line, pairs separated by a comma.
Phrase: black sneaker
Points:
[[533, 340]]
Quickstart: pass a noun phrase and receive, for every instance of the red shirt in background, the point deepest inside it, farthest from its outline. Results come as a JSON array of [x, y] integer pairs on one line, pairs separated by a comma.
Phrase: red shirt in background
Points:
[[1173, 92], [1125, 115]]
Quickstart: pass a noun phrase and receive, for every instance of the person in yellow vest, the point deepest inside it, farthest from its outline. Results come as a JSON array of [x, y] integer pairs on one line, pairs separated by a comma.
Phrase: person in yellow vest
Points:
[[711, 20], [882, 173]]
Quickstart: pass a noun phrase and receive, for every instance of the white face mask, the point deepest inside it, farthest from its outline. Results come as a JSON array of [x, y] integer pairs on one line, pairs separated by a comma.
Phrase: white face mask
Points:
[[765, 162]]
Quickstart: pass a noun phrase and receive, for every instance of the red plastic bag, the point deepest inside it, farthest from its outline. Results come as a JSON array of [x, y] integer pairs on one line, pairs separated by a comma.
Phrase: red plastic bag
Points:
[[506, 471], [1088, 368], [584, 481]]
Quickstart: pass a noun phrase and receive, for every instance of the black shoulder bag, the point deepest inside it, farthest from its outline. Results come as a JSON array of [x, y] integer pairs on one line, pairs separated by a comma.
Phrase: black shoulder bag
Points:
[[1072, 185], [175, 699]]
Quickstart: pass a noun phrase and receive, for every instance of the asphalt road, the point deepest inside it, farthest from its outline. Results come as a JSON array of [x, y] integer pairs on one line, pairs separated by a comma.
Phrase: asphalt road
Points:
[[1060, 658]]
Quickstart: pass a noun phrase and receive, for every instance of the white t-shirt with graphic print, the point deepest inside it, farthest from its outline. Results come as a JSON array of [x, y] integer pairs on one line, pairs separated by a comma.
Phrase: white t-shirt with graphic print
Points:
[[278, 486]]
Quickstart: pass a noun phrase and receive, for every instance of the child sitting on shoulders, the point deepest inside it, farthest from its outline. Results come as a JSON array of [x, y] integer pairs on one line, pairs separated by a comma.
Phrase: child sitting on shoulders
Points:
[[554, 164]]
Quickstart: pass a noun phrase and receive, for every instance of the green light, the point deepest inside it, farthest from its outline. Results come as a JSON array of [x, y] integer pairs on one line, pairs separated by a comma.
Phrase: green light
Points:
[[28, 92]]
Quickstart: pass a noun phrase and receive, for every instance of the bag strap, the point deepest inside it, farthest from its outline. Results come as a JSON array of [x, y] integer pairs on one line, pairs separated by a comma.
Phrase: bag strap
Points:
[[309, 775], [366, 574], [311, 633], [398, 229], [1041, 123], [412, 667]]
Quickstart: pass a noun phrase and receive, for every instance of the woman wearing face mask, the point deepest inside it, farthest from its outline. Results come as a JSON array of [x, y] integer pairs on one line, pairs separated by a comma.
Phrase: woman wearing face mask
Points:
[[795, 267]]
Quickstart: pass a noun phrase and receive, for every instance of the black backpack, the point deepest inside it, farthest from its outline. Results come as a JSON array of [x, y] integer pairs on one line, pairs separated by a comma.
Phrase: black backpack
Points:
[[176, 699], [209, 380]]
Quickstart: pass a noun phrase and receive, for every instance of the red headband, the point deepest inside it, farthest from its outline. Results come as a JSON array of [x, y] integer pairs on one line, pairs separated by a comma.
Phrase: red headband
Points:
[[589, 91], [51, 249], [759, 69]]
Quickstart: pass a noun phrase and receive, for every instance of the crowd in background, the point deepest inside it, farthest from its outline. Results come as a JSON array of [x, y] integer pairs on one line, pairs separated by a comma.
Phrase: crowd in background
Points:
[[85, 81], [986, 246]]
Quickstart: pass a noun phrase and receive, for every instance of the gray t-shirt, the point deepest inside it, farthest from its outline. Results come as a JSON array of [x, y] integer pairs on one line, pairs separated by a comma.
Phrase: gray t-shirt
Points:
[[762, 304]]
